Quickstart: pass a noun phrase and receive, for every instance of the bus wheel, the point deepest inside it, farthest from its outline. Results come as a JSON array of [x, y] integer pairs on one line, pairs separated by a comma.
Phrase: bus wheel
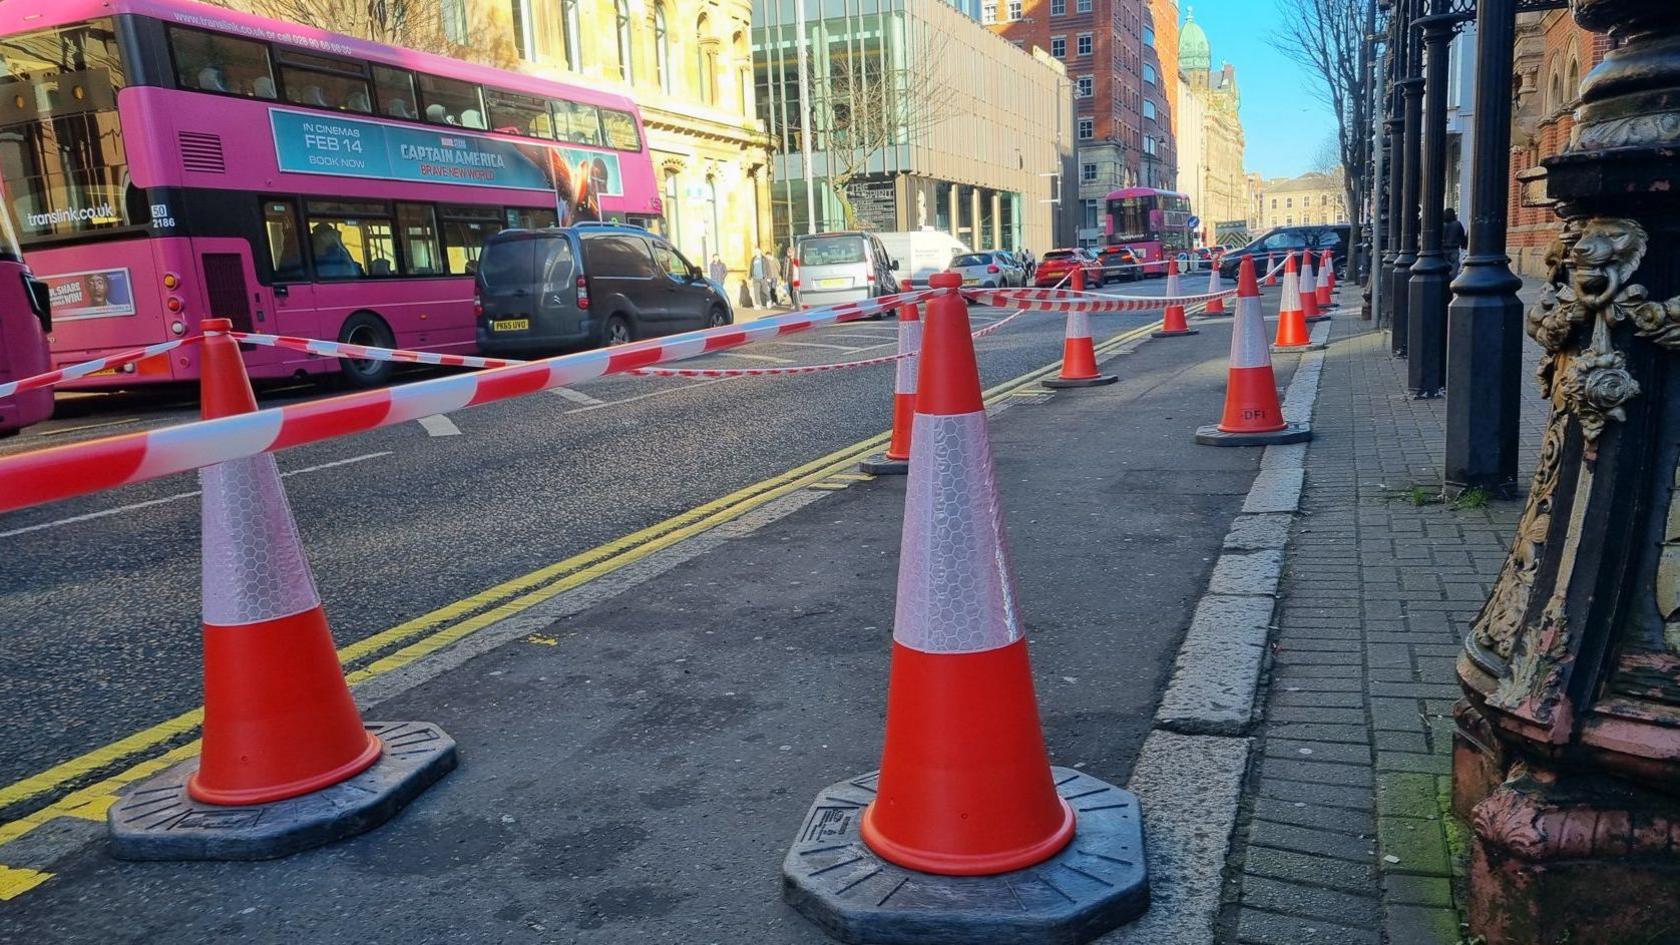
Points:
[[369, 330]]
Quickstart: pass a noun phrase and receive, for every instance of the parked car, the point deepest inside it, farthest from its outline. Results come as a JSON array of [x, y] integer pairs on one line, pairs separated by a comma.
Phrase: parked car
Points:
[[847, 266], [1119, 264], [543, 290], [1282, 239], [919, 254], [988, 270], [1057, 263]]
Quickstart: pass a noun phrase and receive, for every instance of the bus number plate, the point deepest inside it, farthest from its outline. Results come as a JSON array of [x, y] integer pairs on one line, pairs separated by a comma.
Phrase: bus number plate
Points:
[[510, 324]]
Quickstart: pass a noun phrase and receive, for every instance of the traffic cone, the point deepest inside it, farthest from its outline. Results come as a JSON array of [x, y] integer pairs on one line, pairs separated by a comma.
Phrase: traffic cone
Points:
[[1309, 287], [965, 791], [1271, 269], [1172, 317], [1079, 354], [1216, 305], [1076, 279], [1292, 321], [896, 460], [279, 721], [1252, 416], [1326, 283]]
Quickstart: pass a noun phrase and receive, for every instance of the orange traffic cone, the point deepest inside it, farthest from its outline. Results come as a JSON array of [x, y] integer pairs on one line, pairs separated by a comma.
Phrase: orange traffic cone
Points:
[[1292, 321], [279, 721], [1309, 287], [1172, 317], [1079, 354], [1271, 269], [1326, 283], [965, 790], [896, 460], [1216, 305], [1252, 414]]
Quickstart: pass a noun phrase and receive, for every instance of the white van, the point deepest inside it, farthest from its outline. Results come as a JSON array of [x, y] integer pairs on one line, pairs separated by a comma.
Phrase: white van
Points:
[[921, 253]]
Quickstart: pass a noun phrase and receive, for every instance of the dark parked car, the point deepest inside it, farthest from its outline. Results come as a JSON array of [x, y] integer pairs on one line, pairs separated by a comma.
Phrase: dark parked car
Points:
[[1119, 264], [549, 289], [1284, 239]]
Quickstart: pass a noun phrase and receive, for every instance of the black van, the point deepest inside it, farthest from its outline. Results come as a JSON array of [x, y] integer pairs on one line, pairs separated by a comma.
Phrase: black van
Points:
[[1278, 240], [591, 285]]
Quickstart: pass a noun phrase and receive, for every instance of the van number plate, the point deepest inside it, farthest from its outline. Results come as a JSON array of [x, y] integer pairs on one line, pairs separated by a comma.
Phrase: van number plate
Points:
[[510, 324], [831, 283]]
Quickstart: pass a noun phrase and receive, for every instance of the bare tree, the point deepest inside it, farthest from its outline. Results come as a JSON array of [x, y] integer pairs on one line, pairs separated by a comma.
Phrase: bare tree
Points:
[[1327, 156], [1327, 37], [414, 24], [867, 103]]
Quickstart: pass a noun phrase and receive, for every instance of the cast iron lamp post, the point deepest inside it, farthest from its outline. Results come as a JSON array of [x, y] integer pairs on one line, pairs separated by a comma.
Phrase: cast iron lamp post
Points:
[[1426, 330]]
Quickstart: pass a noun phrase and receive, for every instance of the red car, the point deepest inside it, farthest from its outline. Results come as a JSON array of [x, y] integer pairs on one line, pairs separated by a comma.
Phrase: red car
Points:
[[1058, 263]]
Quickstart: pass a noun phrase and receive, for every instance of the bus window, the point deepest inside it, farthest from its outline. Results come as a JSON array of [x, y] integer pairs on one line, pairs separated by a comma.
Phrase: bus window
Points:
[[211, 62], [69, 69], [577, 123], [395, 88], [449, 102], [417, 230], [285, 248], [351, 240], [464, 231], [322, 82], [515, 114], [531, 218], [621, 130]]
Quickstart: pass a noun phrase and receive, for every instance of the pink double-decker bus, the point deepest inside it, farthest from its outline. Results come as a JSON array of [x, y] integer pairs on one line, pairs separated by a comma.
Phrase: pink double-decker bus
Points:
[[167, 161], [1153, 224]]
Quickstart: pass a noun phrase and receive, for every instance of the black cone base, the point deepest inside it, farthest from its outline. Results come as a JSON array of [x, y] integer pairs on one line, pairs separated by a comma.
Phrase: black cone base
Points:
[[1175, 334], [882, 466], [1057, 383], [1211, 435]]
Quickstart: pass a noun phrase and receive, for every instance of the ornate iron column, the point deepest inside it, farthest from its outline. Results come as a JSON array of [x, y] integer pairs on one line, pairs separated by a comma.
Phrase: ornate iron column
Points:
[[1568, 756], [1411, 159], [1484, 324], [1426, 338], [1396, 126]]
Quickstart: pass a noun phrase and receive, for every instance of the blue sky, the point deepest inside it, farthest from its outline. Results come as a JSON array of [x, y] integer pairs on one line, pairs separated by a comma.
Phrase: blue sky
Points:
[[1284, 123]]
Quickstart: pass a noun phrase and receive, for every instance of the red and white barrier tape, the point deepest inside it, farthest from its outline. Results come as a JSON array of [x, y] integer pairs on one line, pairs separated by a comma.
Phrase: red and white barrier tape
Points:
[[343, 349], [33, 478], [1044, 300], [74, 371]]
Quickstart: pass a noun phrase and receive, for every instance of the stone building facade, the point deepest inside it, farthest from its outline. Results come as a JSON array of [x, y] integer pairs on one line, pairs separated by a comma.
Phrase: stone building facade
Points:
[[1303, 200], [1211, 137]]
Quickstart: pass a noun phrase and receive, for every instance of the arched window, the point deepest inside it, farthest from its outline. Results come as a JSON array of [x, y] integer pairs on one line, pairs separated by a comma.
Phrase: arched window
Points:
[[570, 32], [744, 76], [661, 47], [705, 60], [626, 59], [1554, 87], [1572, 79]]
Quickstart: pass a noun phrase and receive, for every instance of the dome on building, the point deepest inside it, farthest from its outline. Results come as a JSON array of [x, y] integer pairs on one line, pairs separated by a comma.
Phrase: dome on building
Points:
[[1194, 52]]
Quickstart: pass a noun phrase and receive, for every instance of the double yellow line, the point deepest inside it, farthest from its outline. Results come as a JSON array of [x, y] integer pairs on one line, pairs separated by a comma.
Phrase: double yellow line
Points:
[[413, 639]]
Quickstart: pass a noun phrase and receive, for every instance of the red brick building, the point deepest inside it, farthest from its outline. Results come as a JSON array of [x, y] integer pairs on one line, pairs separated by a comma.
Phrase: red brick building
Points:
[[1552, 56], [1123, 130]]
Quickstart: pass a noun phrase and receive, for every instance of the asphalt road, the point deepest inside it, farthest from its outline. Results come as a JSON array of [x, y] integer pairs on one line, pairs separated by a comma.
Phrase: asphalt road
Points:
[[99, 595]]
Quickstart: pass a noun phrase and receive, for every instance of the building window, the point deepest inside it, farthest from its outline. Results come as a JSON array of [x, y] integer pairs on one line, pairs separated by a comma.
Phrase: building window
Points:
[[1082, 44], [661, 48], [524, 32], [1014, 9], [1082, 6], [988, 11], [1148, 144], [1149, 35], [1274, 203], [571, 33], [1289, 221], [1087, 172], [1088, 214], [626, 62], [1087, 129], [1148, 74], [1058, 47], [1289, 201], [1084, 87], [1149, 109], [454, 16], [1018, 44], [705, 60], [1058, 7]]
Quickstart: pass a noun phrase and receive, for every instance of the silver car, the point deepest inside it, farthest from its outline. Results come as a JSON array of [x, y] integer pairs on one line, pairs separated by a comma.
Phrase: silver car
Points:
[[988, 270]]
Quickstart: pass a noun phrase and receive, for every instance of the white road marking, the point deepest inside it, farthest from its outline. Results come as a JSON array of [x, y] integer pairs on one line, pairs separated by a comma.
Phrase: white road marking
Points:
[[439, 425], [653, 393], [177, 497], [816, 344], [755, 357], [575, 396]]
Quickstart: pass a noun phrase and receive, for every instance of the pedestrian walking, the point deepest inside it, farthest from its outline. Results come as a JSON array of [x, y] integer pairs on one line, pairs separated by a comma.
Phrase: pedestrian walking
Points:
[[758, 276], [717, 270], [1452, 236], [773, 274], [792, 272]]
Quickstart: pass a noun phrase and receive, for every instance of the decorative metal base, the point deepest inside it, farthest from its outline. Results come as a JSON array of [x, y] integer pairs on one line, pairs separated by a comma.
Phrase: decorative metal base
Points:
[[1211, 435], [1098, 882], [1175, 334], [157, 820], [1057, 383], [882, 466]]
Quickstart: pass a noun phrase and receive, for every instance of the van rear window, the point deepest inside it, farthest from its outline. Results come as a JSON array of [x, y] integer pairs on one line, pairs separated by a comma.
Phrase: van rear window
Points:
[[622, 256], [831, 251], [508, 264]]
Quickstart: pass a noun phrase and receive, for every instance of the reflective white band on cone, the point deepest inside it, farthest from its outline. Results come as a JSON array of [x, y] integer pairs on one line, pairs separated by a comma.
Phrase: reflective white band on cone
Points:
[[1249, 348], [909, 345], [254, 567], [1078, 324]]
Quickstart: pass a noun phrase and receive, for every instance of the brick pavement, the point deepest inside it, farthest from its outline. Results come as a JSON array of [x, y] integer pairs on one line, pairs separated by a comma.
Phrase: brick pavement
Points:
[[1343, 839]]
